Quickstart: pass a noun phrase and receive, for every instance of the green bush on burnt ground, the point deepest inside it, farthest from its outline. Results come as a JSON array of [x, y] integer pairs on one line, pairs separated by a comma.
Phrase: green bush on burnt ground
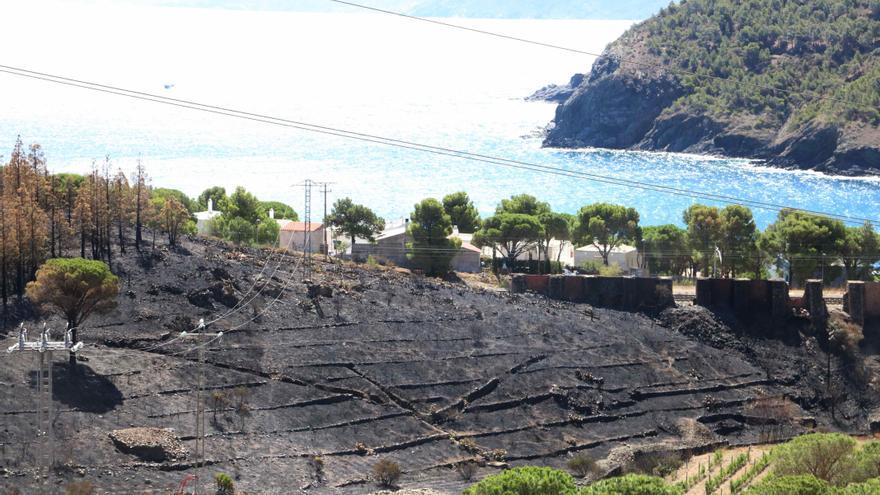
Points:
[[792, 485], [826, 456], [870, 487], [632, 484], [528, 480], [430, 249], [738, 49], [822, 463], [245, 220], [534, 480], [225, 485], [864, 463]]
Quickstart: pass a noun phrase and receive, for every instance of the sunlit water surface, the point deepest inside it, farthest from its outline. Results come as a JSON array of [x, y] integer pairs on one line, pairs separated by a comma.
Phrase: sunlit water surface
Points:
[[365, 73]]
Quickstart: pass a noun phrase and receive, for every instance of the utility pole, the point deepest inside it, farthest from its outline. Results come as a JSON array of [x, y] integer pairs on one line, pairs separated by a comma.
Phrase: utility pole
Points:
[[307, 220], [45, 409], [200, 449], [324, 190], [307, 235]]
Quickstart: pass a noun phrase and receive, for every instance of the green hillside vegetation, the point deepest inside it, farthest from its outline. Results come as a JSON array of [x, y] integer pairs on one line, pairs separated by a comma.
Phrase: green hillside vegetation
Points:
[[812, 464], [821, 47], [795, 83]]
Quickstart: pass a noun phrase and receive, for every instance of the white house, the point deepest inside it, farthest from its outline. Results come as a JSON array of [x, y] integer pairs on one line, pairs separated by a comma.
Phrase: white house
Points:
[[293, 237], [391, 245], [467, 259], [566, 257], [627, 257], [282, 222], [204, 218]]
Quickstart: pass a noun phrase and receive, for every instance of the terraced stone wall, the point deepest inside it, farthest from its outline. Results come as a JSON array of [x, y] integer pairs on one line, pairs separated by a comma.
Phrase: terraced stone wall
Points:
[[862, 302], [751, 299], [624, 293]]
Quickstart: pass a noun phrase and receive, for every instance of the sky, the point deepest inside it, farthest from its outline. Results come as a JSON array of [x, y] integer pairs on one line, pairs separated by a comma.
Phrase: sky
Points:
[[497, 9]]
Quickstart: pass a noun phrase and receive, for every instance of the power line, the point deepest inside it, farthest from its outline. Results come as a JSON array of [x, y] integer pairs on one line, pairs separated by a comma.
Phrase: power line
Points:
[[239, 306], [622, 60], [438, 150]]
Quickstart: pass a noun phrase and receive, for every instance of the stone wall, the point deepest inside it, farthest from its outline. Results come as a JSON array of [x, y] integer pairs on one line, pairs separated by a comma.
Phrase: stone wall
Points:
[[862, 302], [625, 293], [747, 299]]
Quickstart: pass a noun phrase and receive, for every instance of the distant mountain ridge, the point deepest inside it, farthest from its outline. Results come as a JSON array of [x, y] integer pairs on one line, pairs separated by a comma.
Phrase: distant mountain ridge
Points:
[[698, 77], [490, 9]]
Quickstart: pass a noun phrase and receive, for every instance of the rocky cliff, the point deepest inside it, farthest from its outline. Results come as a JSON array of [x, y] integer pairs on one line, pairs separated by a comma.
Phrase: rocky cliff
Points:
[[712, 77]]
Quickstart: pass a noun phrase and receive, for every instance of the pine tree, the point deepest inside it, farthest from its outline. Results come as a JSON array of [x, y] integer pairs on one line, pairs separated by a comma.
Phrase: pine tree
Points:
[[82, 215], [3, 242], [122, 191], [141, 200]]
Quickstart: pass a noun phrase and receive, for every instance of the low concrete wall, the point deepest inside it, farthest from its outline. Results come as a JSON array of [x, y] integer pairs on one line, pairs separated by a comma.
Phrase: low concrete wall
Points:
[[862, 302], [625, 293], [536, 283], [814, 302], [745, 298], [872, 300]]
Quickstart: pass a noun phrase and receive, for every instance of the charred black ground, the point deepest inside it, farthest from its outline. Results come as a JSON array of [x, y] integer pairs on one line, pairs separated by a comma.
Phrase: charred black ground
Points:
[[392, 365]]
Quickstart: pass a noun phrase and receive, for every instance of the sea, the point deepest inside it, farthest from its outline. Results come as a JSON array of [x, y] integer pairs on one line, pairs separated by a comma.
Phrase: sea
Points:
[[361, 72]]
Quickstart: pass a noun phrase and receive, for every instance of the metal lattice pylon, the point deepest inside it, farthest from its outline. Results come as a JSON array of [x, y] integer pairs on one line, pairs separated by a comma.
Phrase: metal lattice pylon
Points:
[[307, 236], [44, 347], [200, 449]]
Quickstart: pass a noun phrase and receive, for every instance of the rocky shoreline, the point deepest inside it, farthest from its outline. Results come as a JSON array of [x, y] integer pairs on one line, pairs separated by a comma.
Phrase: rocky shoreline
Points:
[[615, 111], [634, 98]]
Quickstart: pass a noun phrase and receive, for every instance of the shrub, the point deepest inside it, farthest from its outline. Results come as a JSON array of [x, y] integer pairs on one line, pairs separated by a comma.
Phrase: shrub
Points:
[[791, 485], [466, 470], [823, 455], [776, 411], [238, 230], [528, 480], [655, 463], [241, 396], [612, 270], [317, 463], [82, 487], [582, 465], [864, 464], [267, 232], [225, 485], [632, 484], [870, 487], [590, 267], [386, 472]]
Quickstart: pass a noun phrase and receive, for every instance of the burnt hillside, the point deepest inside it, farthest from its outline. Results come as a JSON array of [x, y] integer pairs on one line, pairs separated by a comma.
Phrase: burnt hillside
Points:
[[381, 364]]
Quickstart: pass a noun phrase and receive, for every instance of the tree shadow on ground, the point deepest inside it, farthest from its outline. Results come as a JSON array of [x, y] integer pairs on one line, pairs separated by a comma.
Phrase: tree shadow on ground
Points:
[[85, 390]]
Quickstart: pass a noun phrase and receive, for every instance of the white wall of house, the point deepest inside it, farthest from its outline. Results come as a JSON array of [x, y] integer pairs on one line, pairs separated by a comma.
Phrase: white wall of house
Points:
[[204, 219], [627, 257], [467, 259], [294, 240]]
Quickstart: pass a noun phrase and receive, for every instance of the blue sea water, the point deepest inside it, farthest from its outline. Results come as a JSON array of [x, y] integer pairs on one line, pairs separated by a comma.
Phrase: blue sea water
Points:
[[364, 73]]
